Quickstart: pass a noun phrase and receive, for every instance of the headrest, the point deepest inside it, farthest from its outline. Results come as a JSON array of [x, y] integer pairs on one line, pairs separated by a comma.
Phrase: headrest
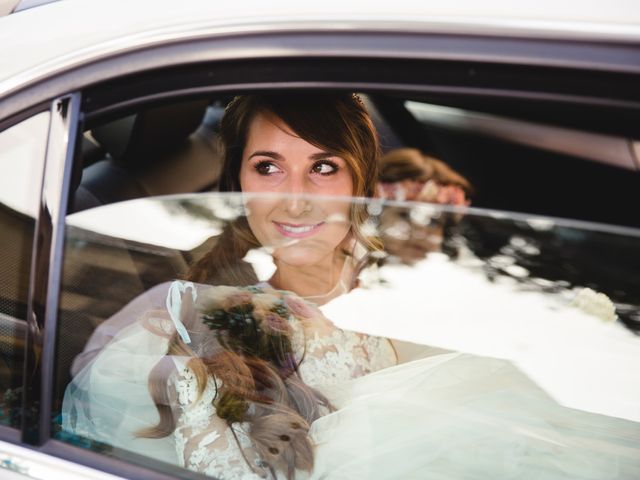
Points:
[[156, 130]]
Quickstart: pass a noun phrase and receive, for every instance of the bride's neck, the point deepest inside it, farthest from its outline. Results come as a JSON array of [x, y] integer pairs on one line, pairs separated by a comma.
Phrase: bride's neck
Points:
[[319, 282]]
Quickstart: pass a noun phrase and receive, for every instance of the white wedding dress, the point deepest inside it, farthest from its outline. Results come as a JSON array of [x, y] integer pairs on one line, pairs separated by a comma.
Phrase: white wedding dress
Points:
[[448, 416], [204, 443], [460, 416], [109, 401]]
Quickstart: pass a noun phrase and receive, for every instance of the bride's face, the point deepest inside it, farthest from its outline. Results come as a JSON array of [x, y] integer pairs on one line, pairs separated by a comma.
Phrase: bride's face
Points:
[[301, 230]]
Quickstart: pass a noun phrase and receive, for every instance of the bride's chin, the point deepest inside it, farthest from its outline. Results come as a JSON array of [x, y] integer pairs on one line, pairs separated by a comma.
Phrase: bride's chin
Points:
[[313, 252], [299, 257]]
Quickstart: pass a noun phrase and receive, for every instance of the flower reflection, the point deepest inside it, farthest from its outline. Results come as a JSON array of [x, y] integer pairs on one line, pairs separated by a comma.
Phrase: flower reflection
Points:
[[405, 239], [596, 304]]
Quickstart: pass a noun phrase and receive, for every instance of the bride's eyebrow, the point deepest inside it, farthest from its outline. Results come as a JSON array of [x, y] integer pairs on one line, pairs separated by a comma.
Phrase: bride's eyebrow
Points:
[[321, 156], [276, 156], [266, 153]]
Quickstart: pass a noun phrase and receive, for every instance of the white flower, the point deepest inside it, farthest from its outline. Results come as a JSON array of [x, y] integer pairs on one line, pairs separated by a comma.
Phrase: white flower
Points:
[[596, 304]]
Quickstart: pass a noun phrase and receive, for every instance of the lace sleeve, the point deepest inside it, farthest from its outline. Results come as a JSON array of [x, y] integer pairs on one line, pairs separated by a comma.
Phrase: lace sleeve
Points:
[[204, 442]]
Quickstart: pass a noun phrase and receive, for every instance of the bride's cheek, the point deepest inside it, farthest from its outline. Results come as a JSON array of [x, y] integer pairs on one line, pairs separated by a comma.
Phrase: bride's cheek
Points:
[[338, 184]]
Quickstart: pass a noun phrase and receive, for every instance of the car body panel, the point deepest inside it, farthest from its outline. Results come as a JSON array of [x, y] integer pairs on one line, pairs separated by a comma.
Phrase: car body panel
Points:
[[124, 26], [20, 463]]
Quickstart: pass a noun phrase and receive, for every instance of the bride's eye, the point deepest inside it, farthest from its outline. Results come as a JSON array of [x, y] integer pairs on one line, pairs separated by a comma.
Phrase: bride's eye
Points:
[[266, 168], [325, 167]]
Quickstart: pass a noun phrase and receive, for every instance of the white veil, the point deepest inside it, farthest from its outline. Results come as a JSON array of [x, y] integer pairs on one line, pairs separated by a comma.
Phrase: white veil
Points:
[[109, 400]]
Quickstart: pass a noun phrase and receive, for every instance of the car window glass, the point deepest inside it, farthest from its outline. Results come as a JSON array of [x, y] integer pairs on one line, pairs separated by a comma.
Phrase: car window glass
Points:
[[22, 153], [193, 332], [512, 322]]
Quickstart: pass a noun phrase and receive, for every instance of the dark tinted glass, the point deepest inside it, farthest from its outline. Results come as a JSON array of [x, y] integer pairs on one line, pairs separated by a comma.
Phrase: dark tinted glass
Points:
[[22, 149]]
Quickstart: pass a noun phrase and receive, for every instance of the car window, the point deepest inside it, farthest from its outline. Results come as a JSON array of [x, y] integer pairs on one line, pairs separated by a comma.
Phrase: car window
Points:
[[436, 339], [607, 149], [22, 153], [512, 159]]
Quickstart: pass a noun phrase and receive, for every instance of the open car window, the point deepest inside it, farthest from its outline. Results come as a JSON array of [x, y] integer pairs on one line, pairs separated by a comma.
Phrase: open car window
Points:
[[606, 149]]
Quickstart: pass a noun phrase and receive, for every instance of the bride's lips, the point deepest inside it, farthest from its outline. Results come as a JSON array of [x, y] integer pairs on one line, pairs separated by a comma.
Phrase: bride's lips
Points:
[[297, 230]]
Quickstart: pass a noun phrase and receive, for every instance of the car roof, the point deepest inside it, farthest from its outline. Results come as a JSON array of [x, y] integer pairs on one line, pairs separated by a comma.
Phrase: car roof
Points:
[[62, 34]]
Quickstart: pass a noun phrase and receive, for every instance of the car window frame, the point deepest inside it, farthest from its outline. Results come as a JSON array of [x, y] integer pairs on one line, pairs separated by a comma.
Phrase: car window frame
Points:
[[42, 305], [46, 267]]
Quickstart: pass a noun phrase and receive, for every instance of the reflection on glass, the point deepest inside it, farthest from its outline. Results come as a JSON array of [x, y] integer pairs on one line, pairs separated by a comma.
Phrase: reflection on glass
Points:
[[250, 358], [464, 346]]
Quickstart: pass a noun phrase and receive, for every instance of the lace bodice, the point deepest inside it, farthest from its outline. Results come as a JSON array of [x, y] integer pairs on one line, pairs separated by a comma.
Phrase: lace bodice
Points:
[[343, 355], [326, 356]]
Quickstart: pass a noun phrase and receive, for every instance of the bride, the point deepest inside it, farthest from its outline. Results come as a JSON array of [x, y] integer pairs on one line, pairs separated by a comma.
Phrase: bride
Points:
[[227, 380], [236, 378]]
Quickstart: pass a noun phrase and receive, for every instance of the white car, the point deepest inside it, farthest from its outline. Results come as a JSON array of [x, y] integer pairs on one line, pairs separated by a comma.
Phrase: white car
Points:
[[109, 169]]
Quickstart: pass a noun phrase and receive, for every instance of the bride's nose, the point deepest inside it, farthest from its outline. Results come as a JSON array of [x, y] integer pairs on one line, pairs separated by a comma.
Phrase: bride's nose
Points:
[[296, 201]]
